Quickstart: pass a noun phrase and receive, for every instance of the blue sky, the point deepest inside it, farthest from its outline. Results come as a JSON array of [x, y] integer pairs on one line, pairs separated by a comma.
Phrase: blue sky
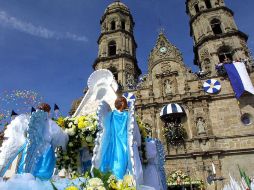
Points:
[[49, 46]]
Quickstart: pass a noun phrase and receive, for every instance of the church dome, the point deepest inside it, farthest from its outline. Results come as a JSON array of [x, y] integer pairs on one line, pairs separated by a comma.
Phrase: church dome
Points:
[[116, 6]]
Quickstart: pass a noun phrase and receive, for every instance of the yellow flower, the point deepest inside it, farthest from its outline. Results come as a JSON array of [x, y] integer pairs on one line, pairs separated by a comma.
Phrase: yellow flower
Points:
[[95, 188], [119, 184], [60, 122], [81, 125], [71, 188]]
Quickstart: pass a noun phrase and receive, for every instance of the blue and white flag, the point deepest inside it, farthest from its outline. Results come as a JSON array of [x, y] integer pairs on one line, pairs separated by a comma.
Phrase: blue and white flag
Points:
[[239, 78]]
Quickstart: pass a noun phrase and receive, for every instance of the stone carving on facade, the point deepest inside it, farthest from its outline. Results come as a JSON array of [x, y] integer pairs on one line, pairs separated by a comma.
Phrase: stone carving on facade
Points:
[[166, 67], [186, 87], [204, 54], [201, 126], [168, 87]]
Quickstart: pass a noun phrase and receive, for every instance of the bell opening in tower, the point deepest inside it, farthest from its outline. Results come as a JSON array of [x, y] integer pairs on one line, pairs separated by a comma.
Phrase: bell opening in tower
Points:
[[123, 25], [225, 54], [208, 4], [113, 25], [196, 8], [216, 26], [112, 48]]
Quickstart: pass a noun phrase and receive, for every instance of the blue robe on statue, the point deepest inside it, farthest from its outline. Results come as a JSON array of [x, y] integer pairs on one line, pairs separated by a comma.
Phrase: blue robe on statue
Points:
[[115, 146], [45, 165], [117, 142]]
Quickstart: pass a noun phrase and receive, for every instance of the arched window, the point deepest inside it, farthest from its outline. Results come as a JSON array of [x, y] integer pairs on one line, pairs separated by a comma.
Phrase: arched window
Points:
[[208, 4], [123, 25], [225, 54], [113, 25], [216, 26], [196, 8], [112, 48]]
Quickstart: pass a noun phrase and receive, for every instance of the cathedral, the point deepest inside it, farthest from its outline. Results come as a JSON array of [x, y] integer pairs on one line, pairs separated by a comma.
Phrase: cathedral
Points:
[[219, 128]]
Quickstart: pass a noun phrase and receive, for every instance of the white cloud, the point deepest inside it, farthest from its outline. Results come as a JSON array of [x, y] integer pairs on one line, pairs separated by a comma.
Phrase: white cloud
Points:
[[39, 31]]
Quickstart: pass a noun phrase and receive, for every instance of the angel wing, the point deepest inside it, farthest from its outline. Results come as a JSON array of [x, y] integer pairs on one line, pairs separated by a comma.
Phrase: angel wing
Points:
[[102, 86], [161, 162], [134, 141], [14, 143], [36, 141], [104, 110]]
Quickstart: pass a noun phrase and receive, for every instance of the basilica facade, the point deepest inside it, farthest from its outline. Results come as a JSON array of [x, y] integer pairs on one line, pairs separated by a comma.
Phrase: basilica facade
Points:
[[220, 128]]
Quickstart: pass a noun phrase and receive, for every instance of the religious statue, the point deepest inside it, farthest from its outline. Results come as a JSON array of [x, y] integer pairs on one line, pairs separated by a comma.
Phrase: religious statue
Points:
[[201, 126], [32, 139], [154, 172], [117, 143], [168, 87]]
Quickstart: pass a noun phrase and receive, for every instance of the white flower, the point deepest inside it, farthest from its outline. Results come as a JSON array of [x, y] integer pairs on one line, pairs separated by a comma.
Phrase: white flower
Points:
[[70, 124], [97, 188], [89, 139], [71, 131], [128, 180], [95, 182], [70, 144], [101, 188]]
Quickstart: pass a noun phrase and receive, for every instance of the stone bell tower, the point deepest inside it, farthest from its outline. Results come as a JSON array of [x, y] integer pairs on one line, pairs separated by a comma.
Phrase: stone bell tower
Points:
[[117, 46], [215, 34]]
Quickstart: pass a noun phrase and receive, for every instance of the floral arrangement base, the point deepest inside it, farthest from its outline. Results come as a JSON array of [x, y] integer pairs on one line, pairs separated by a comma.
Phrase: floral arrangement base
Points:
[[101, 182]]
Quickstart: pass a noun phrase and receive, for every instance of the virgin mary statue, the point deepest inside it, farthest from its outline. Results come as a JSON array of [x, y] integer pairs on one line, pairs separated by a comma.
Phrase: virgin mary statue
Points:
[[32, 141], [117, 142]]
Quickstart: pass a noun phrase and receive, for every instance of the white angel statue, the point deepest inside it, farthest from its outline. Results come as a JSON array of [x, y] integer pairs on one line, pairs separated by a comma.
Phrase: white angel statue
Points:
[[32, 139]]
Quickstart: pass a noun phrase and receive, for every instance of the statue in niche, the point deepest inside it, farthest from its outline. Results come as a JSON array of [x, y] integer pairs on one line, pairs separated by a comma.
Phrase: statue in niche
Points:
[[201, 126], [168, 87]]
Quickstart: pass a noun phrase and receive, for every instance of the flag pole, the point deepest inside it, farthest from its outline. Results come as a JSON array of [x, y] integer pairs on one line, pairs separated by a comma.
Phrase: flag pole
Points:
[[238, 103]]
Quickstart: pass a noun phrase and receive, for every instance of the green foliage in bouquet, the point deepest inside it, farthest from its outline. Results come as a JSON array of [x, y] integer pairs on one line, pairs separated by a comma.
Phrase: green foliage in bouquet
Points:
[[144, 135], [82, 133]]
